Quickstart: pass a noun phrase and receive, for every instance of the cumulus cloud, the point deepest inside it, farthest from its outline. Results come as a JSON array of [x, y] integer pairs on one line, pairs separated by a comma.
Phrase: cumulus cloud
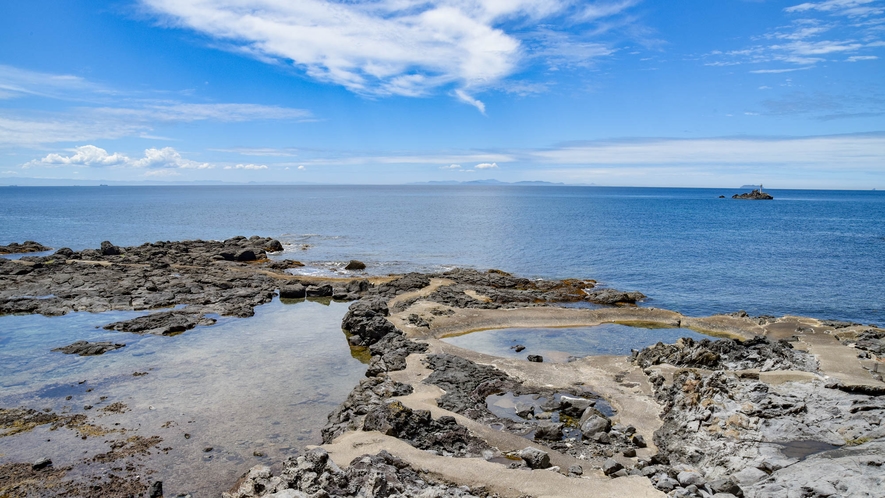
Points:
[[86, 155], [390, 47], [301, 167], [486, 166], [92, 156]]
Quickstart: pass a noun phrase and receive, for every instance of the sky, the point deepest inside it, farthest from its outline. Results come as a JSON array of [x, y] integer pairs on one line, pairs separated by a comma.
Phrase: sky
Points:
[[691, 93]]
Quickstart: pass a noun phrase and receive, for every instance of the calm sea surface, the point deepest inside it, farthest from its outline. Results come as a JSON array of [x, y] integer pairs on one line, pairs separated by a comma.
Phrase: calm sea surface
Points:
[[817, 253], [257, 389]]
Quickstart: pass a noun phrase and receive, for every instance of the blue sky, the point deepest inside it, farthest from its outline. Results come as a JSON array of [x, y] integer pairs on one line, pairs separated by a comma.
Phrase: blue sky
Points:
[[695, 93]]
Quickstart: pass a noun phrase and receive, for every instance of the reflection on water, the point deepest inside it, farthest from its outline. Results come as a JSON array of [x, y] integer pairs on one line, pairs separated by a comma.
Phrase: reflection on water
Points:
[[561, 344], [244, 387]]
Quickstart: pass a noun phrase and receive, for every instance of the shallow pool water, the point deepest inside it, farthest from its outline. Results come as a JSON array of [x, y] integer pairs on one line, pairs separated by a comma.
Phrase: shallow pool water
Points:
[[561, 344], [243, 387]]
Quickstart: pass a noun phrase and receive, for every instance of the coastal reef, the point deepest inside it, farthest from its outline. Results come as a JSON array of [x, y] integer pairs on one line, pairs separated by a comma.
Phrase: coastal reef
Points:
[[754, 195], [767, 406]]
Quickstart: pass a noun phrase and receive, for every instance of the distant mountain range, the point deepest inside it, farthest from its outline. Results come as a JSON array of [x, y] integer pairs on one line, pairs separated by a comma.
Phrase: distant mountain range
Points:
[[487, 182]]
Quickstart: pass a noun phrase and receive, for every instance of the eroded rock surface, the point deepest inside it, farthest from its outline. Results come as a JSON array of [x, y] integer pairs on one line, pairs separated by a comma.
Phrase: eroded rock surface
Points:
[[315, 475]]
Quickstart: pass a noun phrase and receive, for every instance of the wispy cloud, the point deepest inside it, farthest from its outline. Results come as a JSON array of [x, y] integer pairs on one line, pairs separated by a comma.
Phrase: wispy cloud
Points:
[[486, 166], [252, 167], [97, 112], [393, 47], [814, 32]]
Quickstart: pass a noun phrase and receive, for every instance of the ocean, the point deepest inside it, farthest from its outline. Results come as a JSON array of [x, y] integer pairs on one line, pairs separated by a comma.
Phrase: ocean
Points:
[[256, 390], [808, 252]]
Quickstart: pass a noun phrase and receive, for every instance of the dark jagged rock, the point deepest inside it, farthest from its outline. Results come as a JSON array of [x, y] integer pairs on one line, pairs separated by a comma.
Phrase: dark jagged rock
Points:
[[535, 358], [729, 354], [165, 323], [393, 349], [406, 283], [25, 247], [108, 249], [156, 275], [419, 429], [315, 475], [366, 320], [84, 348], [754, 195], [368, 395], [466, 383]]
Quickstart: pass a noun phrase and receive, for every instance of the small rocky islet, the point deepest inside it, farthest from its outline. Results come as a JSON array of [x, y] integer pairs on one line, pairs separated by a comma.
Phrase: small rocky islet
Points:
[[786, 406]]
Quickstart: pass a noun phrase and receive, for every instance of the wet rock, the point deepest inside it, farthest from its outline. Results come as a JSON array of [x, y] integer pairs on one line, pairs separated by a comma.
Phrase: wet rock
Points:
[[535, 458], [319, 290], [355, 265], [519, 348], [293, 291], [366, 319], [364, 398], [535, 358], [612, 296], [165, 323], [84, 348]]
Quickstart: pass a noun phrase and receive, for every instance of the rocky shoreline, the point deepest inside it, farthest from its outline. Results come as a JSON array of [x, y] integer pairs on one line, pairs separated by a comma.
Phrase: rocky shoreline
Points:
[[786, 406]]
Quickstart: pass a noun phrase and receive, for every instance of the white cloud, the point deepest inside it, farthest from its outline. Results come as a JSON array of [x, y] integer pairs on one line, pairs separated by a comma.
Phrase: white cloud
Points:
[[393, 47], [253, 167], [486, 166], [451, 166], [92, 156], [851, 8], [467, 99], [856, 58], [86, 155], [300, 167], [864, 151], [184, 113], [17, 82], [778, 71]]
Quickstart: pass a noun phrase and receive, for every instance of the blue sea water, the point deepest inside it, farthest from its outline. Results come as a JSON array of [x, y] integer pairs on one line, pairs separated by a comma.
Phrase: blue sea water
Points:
[[816, 253]]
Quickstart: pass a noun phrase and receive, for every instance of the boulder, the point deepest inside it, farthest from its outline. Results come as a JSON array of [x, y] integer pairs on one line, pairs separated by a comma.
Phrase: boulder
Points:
[[319, 290], [108, 249], [535, 458], [292, 291], [245, 255], [355, 265], [611, 466], [549, 431], [594, 425], [535, 358]]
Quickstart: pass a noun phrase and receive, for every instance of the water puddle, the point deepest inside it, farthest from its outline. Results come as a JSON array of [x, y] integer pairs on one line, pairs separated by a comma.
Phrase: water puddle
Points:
[[253, 390], [560, 345], [804, 449]]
